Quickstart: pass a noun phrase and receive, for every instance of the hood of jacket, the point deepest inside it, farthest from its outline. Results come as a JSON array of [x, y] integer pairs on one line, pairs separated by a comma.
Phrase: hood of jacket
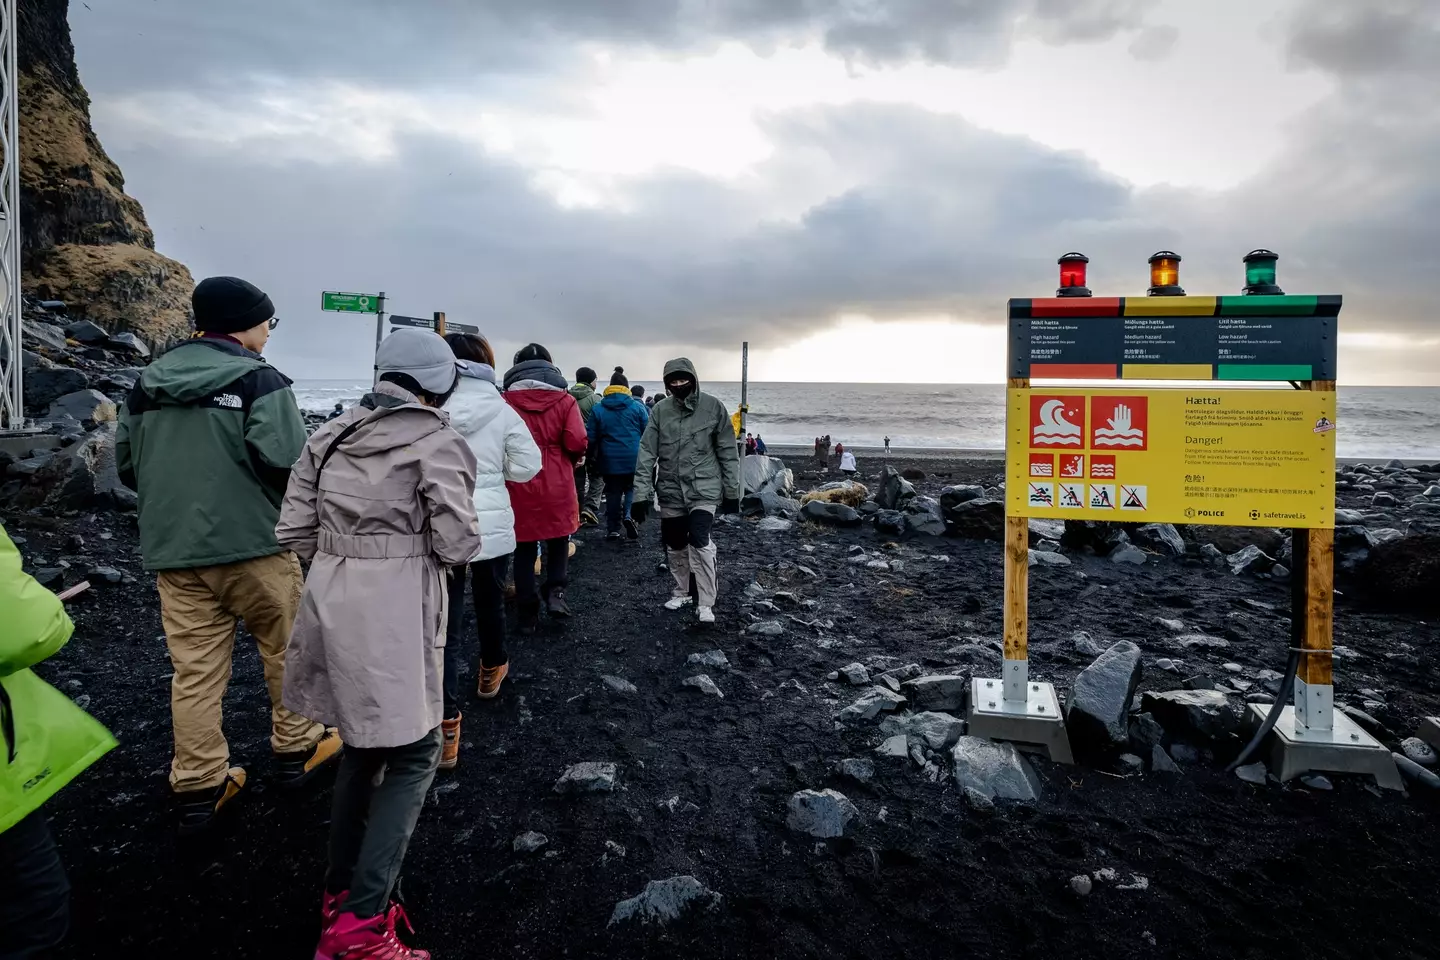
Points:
[[538, 371], [536, 399], [474, 404], [617, 398], [390, 417], [581, 391], [197, 368], [474, 370], [683, 365]]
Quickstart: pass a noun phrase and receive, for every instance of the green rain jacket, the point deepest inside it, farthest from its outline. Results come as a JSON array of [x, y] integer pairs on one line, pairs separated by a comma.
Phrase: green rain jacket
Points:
[[694, 444], [207, 439], [45, 740], [586, 397]]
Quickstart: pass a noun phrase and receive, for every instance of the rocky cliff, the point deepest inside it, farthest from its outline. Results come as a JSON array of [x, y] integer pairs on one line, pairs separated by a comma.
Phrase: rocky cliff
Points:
[[85, 240]]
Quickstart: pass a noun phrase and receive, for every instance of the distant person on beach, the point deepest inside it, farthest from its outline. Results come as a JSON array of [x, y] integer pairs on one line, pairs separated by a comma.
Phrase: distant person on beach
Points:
[[760, 446], [887, 444], [690, 462], [381, 502], [847, 463], [616, 426], [207, 438], [749, 444], [47, 741], [339, 409], [588, 479], [546, 509], [839, 450], [504, 451]]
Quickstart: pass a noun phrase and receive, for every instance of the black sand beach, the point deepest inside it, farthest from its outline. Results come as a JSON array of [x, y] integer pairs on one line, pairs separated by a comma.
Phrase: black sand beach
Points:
[[1204, 864]]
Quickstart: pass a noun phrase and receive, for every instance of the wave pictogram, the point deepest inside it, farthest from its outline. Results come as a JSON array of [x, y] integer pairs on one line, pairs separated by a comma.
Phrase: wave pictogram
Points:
[[1053, 427]]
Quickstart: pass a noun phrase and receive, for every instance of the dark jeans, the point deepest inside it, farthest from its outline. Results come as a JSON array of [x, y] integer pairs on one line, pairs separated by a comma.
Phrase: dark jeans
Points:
[[487, 583], [557, 566], [34, 894], [619, 490], [371, 824]]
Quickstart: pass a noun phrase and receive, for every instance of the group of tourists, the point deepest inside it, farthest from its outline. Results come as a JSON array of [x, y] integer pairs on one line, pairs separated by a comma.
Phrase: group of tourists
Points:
[[444, 472], [755, 445]]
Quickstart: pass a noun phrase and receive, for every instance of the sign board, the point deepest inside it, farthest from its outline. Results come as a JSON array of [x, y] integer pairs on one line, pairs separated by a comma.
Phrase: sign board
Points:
[[1248, 458], [450, 325], [1174, 338], [350, 302]]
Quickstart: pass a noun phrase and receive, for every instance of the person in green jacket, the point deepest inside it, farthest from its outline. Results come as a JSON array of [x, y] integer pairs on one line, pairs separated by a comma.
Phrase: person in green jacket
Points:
[[45, 742], [690, 463], [589, 482], [206, 439]]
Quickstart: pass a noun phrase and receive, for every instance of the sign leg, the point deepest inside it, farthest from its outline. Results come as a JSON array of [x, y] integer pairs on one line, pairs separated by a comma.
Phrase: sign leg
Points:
[[1017, 614], [1313, 612]]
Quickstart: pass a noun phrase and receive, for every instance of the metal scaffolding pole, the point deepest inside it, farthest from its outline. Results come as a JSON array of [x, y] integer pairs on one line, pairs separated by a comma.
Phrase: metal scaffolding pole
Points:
[[12, 393]]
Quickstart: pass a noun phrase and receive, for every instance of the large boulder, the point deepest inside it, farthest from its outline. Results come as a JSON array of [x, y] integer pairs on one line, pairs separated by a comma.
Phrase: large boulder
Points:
[[1231, 539], [1403, 574], [977, 520], [890, 522], [769, 504], [1101, 536], [45, 335], [936, 692], [994, 770], [938, 731], [766, 474], [1353, 544], [831, 514], [1249, 559], [83, 405], [44, 386], [83, 331], [80, 477], [895, 491], [824, 814], [952, 496], [665, 901], [1099, 706], [1160, 537], [923, 516], [129, 344], [1192, 714]]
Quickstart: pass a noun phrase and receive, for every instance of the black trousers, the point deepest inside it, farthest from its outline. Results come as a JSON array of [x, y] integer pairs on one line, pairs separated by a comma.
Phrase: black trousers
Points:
[[618, 487], [557, 568], [371, 822], [487, 584], [34, 893]]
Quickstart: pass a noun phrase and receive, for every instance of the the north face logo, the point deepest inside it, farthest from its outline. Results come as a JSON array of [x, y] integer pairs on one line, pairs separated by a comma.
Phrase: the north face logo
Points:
[[229, 400]]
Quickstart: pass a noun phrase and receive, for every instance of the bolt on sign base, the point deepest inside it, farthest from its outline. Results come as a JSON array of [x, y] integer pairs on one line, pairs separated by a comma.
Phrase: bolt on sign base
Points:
[[1036, 720], [1345, 748], [1430, 731]]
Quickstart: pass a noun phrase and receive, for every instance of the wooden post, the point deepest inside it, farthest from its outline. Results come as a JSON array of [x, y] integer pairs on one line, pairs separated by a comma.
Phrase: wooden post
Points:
[[1312, 614], [1017, 596], [440, 322]]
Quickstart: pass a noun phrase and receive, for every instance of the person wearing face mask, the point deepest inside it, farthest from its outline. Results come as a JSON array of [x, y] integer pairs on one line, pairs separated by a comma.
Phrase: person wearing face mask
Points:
[[689, 461], [382, 503]]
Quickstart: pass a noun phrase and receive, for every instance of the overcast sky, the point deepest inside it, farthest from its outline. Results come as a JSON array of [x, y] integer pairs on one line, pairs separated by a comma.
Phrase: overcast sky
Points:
[[854, 186]]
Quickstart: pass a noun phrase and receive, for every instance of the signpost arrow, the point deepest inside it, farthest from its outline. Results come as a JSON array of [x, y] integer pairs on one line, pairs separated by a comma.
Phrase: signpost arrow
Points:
[[400, 321], [350, 302]]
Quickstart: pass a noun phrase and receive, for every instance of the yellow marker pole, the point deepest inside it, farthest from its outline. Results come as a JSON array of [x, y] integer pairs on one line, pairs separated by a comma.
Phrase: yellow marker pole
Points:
[[440, 322]]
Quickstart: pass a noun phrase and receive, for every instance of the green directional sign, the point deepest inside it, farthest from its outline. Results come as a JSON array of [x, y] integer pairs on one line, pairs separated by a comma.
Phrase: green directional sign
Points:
[[349, 302]]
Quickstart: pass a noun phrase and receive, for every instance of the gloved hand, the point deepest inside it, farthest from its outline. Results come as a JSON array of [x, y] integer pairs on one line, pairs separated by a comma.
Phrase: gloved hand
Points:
[[640, 511], [729, 505]]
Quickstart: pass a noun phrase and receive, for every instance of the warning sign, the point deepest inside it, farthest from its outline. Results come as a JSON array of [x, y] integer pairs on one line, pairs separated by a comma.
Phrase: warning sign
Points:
[[1176, 455]]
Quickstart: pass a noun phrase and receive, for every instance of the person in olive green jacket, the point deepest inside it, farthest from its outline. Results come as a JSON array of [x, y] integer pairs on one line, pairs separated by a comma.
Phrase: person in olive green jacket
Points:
[[589, 483], [689, 462], [45, 742], [207, 438]]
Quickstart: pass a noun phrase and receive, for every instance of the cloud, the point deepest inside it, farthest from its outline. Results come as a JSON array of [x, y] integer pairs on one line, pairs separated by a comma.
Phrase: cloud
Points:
[[1154, 43], [1369, 39]]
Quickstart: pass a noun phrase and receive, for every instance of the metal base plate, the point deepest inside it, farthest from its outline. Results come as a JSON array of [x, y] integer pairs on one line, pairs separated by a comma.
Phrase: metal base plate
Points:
[[1035, 720], [1430, 731], [1345, 748]]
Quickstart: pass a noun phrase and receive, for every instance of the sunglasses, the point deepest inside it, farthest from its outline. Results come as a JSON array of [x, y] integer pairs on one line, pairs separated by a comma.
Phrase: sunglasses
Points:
[[274, 322]]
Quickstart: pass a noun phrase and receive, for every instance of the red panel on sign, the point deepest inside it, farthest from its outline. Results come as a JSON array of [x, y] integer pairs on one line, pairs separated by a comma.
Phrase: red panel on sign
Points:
[[1120, 423], [1074, 371], [1042, 464], [1057, 422], [1075, 307]]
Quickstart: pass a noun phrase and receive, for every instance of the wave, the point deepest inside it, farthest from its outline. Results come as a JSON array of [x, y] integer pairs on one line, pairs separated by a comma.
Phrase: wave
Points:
[[1119, 441], [1056, 438]]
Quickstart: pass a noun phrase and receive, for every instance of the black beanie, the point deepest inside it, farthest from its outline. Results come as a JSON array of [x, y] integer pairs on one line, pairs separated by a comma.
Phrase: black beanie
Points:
[[585, 375], [229, 305], [617, 379]]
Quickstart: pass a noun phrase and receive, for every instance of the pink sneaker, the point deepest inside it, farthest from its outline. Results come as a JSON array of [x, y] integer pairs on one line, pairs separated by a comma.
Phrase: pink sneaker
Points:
[[351, 938], [330, 905]]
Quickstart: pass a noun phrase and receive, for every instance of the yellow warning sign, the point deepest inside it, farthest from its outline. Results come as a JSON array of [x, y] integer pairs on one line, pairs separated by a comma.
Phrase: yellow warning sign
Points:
[[1245, 458]]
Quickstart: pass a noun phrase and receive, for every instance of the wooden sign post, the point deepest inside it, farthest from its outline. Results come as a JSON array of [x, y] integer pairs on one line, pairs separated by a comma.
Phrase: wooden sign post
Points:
[[1204, 450]]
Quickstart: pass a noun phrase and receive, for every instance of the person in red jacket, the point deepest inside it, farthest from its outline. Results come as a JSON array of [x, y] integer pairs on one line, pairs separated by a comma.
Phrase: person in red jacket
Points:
[[546, 510]]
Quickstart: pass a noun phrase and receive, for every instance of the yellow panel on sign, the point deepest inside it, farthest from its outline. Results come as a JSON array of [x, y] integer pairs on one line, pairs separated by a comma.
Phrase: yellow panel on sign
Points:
[[1244, 458]]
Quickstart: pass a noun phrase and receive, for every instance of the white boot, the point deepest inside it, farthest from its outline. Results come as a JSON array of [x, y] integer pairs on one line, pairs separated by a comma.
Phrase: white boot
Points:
[[679, 562]]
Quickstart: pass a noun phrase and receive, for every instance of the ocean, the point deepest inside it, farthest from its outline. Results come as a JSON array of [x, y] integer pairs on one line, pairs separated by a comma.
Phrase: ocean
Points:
[[1383, 422]]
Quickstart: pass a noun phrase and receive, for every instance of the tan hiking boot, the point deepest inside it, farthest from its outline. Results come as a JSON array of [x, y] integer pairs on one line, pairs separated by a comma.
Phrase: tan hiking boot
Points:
[[490, 680], [293, 770], [196, 810], [450, 743]]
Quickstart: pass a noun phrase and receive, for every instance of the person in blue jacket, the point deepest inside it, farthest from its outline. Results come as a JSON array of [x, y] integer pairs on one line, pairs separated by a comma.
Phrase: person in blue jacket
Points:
[[616, 425]]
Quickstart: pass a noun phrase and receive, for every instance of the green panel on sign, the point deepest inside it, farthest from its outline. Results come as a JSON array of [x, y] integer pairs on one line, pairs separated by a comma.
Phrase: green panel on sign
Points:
[[1282, 306], [1262, 371], [350, 302]]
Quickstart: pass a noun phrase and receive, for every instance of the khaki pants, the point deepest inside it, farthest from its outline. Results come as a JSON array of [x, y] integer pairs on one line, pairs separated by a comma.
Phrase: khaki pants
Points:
[[200, 609]]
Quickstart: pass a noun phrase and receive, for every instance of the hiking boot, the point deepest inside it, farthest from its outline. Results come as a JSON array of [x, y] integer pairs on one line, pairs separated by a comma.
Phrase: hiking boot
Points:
[[292, 770], [195, 810], [615, 536], [555, 604], [449, 743], [330, 906], [374, 938], [589, 519], [528, 617], [679, 602], [705, 614], [490, 680], [632, 529]]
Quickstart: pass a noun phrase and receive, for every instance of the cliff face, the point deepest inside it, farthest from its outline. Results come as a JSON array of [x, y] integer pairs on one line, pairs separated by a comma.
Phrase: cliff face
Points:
[[85, 240]]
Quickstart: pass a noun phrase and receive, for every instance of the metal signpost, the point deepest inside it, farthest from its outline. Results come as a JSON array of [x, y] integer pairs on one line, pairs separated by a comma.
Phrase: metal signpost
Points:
[[1200, 453], [12, 364]]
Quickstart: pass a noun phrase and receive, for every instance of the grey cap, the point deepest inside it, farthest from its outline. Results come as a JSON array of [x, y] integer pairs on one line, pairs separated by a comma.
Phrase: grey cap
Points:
[[421, 354]]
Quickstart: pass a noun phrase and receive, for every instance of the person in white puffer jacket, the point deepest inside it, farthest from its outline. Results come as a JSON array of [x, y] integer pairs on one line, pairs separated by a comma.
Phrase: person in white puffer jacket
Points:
[[504, 450]]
